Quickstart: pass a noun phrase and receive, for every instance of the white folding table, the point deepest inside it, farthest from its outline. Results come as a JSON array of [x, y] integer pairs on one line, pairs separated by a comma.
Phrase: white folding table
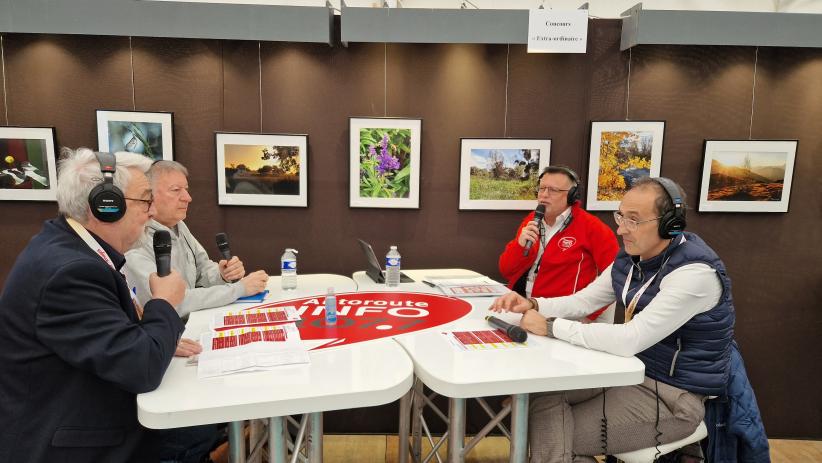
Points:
[[546, 365], [336, 378]]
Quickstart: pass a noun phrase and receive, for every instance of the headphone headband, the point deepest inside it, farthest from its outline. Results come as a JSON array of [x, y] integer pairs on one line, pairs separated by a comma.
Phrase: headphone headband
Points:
[[574, 192]]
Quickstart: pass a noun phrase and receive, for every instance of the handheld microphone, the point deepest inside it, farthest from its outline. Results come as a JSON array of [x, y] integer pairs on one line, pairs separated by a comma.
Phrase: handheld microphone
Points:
[[162, 252], [539, 214], [514, 332], [222, 244]]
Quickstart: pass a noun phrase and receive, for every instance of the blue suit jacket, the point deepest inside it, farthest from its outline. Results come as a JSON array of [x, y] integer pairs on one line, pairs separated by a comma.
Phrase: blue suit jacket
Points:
[[73, 354]]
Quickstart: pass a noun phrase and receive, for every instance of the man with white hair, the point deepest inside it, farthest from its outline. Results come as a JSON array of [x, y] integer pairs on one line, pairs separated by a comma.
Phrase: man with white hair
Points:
[[209, 284], [75, 348]]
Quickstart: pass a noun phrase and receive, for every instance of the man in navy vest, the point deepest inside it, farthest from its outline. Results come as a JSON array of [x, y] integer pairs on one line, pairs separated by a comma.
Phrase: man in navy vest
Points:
[[679, 320]]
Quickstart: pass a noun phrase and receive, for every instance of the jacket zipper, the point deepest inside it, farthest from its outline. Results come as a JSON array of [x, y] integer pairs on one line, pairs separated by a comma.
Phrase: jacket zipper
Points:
[[676, 354]]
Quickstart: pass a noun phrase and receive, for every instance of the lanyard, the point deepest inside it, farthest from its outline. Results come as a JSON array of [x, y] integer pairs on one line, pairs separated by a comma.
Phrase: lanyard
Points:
[[629, 308], [543, 244], [95, 246]]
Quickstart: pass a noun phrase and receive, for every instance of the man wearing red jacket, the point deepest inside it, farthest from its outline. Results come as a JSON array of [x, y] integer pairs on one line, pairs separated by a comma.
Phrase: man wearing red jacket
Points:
[[568, 248]]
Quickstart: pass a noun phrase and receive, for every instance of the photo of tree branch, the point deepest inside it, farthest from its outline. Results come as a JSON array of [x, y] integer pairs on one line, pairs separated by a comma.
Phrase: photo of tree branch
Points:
[[624, 156]]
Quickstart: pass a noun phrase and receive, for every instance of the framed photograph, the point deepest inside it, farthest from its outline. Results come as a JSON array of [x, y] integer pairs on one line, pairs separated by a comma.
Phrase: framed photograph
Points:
[[747, 175], [28, 170], [384, 162], [501, 173], [149, 134], [621, 152], [262, 169]]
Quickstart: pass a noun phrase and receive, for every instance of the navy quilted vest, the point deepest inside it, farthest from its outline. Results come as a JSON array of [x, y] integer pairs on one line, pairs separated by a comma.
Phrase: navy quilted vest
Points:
[[696, 356]]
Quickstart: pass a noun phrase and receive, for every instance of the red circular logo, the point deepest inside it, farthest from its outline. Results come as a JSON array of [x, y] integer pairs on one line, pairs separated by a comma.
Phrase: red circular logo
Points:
[[363, 316]]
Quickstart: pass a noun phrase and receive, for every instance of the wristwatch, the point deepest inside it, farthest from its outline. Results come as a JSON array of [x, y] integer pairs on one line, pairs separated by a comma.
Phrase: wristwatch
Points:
[[550, 325]]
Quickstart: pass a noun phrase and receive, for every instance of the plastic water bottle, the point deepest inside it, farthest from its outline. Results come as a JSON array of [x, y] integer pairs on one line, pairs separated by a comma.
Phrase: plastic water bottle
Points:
[[330, 307], [288, 269], [392, 267]]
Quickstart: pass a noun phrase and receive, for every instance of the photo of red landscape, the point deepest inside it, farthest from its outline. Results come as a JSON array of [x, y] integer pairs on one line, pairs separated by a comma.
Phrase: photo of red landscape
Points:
[[747, 176]]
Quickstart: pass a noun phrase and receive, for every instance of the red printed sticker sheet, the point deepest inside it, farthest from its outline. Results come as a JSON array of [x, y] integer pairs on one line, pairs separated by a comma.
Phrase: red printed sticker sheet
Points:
[[250, 348], [481, 340], [260, 316]]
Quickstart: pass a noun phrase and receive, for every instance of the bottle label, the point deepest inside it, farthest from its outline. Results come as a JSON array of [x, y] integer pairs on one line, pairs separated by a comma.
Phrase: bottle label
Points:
[[392, 262], [289, 265]]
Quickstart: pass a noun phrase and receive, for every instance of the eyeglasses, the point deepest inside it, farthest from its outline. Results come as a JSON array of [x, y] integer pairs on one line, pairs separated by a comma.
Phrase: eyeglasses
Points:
[[147, 202], [550, 190], [630, 224]]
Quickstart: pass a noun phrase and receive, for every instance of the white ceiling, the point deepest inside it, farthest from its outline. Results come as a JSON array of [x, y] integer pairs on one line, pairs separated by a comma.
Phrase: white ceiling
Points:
[[597, 8]]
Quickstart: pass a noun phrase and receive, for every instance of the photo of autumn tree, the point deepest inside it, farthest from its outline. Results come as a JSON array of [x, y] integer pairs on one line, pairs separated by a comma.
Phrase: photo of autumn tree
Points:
[[747, 176], [624, 156], [261, 169]]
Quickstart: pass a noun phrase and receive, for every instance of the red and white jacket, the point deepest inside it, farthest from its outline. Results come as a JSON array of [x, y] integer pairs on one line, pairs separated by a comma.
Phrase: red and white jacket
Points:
[[572, 259]]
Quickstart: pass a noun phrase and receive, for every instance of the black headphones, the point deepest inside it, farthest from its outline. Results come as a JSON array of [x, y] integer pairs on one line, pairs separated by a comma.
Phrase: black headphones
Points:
[[672, 223], [106, 201], [575, 192]]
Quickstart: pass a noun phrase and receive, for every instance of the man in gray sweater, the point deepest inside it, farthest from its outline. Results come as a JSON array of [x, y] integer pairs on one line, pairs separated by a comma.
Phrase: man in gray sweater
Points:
[[209, 284]]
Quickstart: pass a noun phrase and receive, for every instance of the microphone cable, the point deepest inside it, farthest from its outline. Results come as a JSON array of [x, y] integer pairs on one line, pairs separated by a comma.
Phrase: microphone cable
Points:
[[656, 424], [604, 427]]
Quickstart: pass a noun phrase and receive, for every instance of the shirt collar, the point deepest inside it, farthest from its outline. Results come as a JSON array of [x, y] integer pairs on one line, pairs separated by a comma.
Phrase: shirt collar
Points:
[[560, 218]]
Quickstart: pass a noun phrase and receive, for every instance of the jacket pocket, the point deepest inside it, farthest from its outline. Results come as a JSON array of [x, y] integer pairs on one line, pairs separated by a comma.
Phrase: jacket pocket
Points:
[[76, 436]]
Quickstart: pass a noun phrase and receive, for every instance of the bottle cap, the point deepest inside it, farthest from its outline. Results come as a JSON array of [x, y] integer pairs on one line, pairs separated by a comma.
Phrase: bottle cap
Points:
[[330, 290]]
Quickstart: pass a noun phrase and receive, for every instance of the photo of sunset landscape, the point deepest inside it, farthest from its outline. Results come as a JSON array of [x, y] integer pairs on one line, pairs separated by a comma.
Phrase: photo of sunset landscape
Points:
[[747, 176]]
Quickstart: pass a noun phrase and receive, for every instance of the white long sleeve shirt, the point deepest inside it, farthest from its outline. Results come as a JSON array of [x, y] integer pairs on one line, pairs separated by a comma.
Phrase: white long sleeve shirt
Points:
[[683, 293]]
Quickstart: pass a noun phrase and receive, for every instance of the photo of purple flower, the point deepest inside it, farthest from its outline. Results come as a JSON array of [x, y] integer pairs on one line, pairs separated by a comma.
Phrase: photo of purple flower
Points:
[[384, 162]]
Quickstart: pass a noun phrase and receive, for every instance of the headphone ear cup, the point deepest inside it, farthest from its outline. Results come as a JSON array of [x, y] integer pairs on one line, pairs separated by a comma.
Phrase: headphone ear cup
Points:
[[670, 226], [573, 195], [107, 203], [664, 225]]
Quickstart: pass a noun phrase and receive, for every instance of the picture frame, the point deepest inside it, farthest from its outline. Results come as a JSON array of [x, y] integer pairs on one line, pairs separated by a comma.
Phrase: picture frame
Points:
[[383, 176], [28, 164], [148, 133], [501, 173], [620, 152], [262, 169], [747, 175]]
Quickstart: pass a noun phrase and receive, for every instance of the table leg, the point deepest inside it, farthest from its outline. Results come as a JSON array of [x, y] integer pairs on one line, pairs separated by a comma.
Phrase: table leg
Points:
[[315, 437], [236, 442], [255, 437], [519, 428], [456, 430], [277, 449], [405, 418], [416, 421]]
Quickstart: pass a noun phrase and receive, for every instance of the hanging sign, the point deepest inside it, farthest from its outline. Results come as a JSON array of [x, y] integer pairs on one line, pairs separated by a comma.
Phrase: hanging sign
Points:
[[552, 31]]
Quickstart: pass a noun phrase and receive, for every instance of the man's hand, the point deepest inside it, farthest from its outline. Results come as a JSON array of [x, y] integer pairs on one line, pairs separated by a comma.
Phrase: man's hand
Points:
[[187, 347], [533, 322], [511, 302], [231, 270], [172, 288], [529, 232], [254, 282]]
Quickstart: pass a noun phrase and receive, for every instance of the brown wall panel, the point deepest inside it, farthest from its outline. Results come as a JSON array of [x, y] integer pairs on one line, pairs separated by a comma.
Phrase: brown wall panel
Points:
[[459, 91]]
